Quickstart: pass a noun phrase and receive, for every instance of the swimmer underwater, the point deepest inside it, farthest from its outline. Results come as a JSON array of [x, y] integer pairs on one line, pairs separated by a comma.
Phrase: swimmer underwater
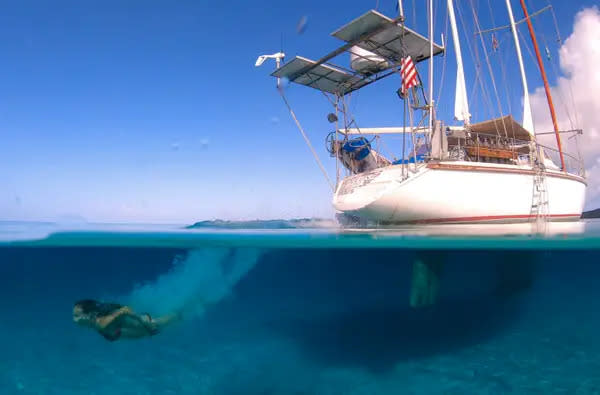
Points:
[[114, 321]]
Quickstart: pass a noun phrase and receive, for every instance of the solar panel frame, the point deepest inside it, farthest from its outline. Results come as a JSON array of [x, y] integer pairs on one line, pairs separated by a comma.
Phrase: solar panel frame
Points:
[[393, 42], [373, 32], [323, 77]]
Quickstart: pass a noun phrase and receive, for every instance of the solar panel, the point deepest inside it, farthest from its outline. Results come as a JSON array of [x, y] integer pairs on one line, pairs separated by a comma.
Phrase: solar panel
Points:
[[393, 42], [322, 77]]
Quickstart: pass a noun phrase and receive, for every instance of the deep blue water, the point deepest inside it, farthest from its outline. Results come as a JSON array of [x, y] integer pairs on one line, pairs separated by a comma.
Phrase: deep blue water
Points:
[[288, 318]]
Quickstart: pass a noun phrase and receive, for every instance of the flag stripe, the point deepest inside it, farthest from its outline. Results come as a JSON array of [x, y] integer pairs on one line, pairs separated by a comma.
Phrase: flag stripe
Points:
[[408, 72]]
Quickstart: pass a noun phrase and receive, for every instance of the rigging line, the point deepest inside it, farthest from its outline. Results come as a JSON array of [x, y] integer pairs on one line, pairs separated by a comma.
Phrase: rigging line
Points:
[[349, 96], [506, 84], [558, 88], [487, 59], [556, 76], [507, 27], [473, 97], [491, 76], [347, 113], [336, 145], [491, 14], [570, 85], [306, 139], [322, 91], [554, 70], [404, 138], [355, 101], [479, 70], [412, 131], [506, 89], [527, 45], [385, 151], [502, 66], [328, 98], [437, 100], [479, 74], [473, 91], [559, 39], [475, 57]]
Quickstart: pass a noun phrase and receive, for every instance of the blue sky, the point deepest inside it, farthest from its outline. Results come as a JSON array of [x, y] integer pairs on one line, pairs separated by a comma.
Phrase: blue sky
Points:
[[153, 111]]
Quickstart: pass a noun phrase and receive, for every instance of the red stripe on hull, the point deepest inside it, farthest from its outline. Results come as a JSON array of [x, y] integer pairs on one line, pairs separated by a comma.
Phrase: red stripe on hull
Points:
[[491, 218]]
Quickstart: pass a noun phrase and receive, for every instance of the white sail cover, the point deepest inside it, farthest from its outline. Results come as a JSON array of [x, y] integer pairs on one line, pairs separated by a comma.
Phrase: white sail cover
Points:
[[461, 102]]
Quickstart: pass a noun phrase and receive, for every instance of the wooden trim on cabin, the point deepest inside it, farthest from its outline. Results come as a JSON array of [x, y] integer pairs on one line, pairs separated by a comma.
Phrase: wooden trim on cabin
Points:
[[493, 169], [491, 152]]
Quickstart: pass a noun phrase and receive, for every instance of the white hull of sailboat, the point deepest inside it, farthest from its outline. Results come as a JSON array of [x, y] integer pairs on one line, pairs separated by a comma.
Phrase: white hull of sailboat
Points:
[[457, 192]]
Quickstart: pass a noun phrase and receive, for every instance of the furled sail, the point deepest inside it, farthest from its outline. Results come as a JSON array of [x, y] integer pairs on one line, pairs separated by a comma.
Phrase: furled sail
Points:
[[461, 103]]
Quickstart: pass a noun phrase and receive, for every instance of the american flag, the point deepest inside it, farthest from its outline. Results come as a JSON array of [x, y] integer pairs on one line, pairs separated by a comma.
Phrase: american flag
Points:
[[408, 71]]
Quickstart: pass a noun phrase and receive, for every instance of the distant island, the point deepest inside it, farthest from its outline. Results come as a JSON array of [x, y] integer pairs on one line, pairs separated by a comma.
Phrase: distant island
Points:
[[591, 214], [298, 223]]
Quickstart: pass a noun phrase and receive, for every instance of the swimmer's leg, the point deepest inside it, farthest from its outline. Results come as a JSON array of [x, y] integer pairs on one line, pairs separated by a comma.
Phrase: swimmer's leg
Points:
[[156, 324], [167, 319]]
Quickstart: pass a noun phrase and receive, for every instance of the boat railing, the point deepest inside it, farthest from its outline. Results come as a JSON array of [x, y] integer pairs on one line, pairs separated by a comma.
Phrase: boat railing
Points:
[[481, 147], [574, 164]]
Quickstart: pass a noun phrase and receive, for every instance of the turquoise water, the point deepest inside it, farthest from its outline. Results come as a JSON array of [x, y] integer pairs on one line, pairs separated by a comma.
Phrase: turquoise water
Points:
[[303, 309]]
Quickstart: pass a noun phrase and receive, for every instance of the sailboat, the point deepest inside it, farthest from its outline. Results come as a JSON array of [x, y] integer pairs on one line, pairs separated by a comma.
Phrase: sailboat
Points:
[[494, 170]]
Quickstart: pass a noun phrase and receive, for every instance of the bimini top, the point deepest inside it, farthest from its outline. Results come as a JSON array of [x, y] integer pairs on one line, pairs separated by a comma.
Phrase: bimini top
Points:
[[373, 32]]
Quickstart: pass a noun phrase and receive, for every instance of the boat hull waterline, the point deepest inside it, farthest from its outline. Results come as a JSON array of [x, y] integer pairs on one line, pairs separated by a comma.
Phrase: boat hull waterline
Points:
[[458, 192]]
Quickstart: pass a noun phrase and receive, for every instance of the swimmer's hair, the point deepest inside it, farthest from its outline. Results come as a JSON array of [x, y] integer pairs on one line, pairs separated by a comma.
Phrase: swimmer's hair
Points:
[[87, 306]]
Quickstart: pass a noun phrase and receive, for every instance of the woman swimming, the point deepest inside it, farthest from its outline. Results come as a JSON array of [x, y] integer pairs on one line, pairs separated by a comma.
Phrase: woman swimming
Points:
[[114, 321]]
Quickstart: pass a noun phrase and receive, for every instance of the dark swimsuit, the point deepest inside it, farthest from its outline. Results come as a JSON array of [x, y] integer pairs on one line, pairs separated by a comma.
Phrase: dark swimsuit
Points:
[[112, 336], [116, 333]]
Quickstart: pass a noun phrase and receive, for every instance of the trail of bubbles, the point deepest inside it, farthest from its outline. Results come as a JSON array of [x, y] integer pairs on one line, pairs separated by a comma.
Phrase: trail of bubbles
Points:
[[200, 279]]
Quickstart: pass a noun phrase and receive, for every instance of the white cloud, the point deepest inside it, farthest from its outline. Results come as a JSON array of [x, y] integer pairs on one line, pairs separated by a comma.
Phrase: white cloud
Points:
[[577, 97]]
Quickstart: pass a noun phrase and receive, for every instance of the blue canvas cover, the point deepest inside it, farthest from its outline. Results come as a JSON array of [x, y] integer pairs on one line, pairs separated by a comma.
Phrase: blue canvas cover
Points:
[[359, 146]]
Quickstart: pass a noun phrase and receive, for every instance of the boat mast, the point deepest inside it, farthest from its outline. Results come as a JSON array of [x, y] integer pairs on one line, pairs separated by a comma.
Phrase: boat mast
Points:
[[546, 85], [461, 104], [405, 102], [430, 68], [527, 118]]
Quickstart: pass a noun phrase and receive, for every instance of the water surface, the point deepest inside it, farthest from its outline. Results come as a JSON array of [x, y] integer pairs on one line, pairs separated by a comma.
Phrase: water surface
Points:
[[303, 311]]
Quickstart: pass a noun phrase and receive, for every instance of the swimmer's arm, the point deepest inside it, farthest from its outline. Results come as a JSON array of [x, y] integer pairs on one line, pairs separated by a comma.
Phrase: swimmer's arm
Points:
[[106, 320]]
